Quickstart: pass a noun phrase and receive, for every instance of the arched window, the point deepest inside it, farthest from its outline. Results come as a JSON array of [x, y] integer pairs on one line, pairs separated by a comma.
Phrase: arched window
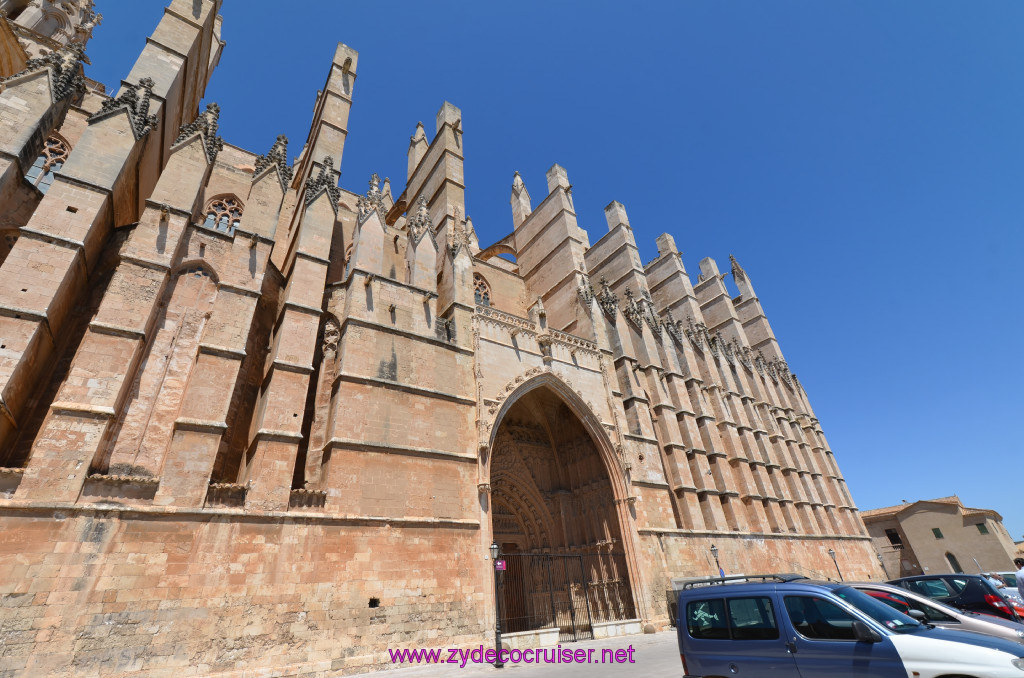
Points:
[[224, 215], [54, 154], [954, 563], [481, 290]]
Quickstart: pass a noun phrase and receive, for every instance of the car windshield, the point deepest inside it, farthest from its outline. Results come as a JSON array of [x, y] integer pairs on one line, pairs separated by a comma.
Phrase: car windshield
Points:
[[877, 610], [1010, 579]]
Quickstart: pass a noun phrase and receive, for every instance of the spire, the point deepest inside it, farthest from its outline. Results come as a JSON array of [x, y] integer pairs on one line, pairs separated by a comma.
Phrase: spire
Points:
[[520, 201], [205, 124], [737, 270], [517, 183], [418, 146], [741, 279], [135, 101], [277, 155]]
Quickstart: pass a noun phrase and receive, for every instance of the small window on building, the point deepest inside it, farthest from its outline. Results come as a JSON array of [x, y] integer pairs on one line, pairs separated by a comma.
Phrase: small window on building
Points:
[[954, 563], [937, 532], [224, 215], [894, 538], [54, 154], [481, 290], [982, 528]]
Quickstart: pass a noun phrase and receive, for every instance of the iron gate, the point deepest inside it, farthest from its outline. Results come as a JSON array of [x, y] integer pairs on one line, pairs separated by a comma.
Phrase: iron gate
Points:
[[565, 590]]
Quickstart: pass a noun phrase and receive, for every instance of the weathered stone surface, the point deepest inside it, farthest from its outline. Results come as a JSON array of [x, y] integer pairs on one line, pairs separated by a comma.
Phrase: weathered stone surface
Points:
[[252, 422]]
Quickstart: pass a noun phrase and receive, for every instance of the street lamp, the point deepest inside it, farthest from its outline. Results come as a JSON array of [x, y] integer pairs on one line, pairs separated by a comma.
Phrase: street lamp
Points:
[[497, 608], [714, 554], [832, 554], [881, 561]]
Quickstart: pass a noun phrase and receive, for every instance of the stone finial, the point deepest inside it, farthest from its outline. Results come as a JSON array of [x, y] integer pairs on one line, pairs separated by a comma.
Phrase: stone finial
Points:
[[277, 155], [373, 201], [558, 178], [449, 114], [206, 123], [459, 238], [708, 269], [419, 135], [520, 201], [632, 310], [585, 289], [135, 101], [474, 240], [607, 299], [420, 223], [91, 20], [737, 271], [417, 149], [66, 78], [326, 181], [517, 183], [666, 245], [615, 214]]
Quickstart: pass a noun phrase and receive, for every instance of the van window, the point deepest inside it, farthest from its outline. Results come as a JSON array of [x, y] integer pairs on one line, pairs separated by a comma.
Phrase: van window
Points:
[[752, 619], [705, 619], [819, 619]]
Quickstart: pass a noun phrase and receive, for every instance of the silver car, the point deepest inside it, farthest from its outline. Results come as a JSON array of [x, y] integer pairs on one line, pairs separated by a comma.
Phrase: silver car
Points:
[[933, 612]]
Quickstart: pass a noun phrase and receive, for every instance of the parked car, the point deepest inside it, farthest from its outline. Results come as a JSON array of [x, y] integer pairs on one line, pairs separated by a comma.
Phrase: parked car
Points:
[[773, 626], [965, 592], [931, 611], [1011, 590]]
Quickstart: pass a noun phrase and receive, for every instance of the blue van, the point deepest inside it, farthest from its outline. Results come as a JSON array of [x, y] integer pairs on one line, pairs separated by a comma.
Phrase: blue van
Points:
[[787, 626]]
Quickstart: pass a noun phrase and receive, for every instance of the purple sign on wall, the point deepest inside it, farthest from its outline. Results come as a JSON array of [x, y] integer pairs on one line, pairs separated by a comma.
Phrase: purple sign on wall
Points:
[[499, 565]]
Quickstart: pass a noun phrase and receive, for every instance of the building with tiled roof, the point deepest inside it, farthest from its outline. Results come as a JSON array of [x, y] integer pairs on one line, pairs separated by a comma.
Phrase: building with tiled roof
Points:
[[935, 536]]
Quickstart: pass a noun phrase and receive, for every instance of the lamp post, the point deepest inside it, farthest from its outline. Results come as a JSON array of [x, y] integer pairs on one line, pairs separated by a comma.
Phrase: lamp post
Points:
[[497, 608], [832, 554], [881, 561], [714, 554]]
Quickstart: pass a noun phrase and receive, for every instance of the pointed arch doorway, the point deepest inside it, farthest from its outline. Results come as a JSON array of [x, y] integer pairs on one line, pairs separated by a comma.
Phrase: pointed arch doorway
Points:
[[555, 517]]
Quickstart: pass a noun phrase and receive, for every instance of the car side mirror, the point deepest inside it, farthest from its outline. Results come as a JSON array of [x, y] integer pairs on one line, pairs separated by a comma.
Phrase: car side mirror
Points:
[[864, 633], [918, 615]]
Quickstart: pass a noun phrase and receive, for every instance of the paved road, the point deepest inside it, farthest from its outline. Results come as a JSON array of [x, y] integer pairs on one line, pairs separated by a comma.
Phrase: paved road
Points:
[[655, 655]]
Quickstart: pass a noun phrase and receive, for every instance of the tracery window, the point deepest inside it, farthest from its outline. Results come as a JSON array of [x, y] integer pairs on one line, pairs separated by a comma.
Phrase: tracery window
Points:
[[481, 290], [54, 154], [223, 215]]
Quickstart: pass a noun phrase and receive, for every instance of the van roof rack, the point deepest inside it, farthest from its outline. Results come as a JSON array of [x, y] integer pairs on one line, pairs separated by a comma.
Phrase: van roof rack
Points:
[[743, 578]]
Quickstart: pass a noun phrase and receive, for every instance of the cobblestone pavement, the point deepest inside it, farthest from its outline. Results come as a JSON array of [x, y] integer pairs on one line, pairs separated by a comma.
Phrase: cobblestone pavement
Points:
[[654, 654]]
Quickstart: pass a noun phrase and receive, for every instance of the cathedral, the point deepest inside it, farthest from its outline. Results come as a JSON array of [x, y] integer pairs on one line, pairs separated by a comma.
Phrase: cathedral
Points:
[[254, 421]]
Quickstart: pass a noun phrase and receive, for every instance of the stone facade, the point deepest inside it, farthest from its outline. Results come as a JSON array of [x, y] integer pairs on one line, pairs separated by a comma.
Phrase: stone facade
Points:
[[939, 536], [250, 419]]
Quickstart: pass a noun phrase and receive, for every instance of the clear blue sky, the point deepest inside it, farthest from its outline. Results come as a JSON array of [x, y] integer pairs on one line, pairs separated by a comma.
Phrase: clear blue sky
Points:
[[862, 159]]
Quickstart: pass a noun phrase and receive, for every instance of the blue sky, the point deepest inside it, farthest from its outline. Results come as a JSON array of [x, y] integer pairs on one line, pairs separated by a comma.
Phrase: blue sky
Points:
[[862, 160]]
